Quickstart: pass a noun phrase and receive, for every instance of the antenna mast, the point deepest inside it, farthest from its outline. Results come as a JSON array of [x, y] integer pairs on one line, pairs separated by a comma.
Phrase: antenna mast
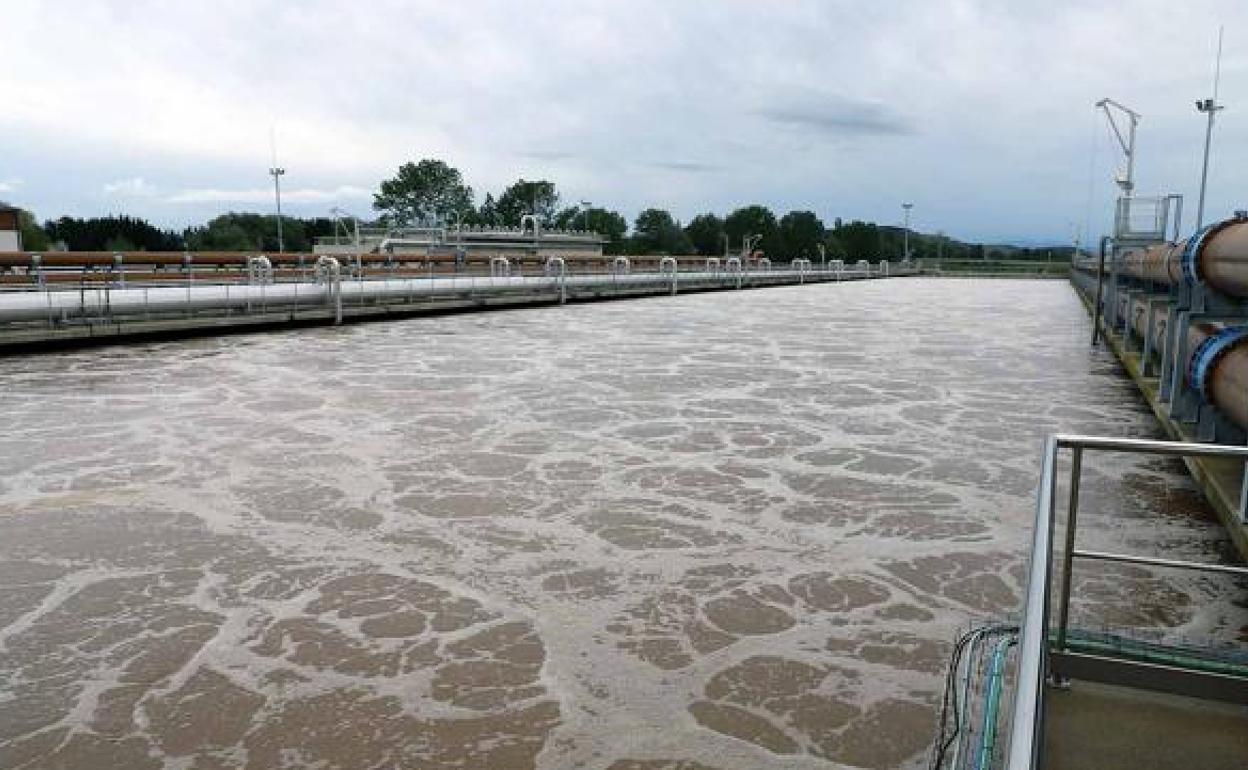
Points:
[[1210, 107]]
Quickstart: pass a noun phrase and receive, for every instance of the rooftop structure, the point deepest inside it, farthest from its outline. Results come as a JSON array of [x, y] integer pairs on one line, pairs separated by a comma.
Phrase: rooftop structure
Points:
[[528, 240], [10, 228]]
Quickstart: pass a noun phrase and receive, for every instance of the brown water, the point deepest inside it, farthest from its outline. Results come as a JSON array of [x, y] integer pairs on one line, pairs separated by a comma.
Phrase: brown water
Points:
[[727, 530]]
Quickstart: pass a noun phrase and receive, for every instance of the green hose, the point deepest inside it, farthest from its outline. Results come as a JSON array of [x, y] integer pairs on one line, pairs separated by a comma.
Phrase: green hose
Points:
[[988, 730], [1156, 654]]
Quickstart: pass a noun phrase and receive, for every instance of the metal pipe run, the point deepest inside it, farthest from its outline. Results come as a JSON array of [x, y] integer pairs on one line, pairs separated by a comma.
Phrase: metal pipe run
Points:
[[1217, 366], [332, 289], [1216, 256]]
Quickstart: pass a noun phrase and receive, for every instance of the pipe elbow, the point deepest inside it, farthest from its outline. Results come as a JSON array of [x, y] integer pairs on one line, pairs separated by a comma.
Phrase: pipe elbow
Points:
[[1204, 360]]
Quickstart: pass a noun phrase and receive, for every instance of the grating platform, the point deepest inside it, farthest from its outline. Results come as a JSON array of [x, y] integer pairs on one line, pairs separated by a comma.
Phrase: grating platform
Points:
[[1093, 726]]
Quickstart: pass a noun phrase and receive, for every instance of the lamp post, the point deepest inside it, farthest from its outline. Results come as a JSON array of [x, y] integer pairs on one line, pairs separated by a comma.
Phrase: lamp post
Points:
[[277, 192], [905, 255], [1210, 107]]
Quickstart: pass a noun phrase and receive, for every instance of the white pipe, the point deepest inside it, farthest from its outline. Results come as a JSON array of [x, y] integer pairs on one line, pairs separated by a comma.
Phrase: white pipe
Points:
[[329, 288]]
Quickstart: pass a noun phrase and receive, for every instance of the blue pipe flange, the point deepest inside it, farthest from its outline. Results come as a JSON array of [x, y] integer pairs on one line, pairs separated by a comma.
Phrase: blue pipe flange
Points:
[[1191, 249], [1207, 354]]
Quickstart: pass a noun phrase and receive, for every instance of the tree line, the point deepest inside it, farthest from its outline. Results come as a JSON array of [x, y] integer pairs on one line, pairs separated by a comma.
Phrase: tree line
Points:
[[432, 193]]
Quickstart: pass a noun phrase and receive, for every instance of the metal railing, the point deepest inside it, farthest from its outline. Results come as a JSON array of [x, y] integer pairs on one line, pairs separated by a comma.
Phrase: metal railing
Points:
[[63, 304], [1026, 738]]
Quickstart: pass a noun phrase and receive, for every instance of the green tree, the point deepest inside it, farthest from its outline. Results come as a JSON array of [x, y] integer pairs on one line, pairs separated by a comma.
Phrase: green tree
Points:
[[254, 232], [423, 192], [486, 214], [527, 197], [33, 236], [571, 218], [801, 232], [228, 232], [111, 233], [612, 226], [833, 248], [120, 243], [893, 242], [656, 232], [706, 233], [753, 221], [861, 239]]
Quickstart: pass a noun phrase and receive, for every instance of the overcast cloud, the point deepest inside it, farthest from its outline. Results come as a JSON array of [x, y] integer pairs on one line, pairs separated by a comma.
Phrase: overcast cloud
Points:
[[978, 112]]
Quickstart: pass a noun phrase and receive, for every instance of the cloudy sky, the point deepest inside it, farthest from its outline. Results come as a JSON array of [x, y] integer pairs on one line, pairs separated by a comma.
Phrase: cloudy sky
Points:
[[978, 111]]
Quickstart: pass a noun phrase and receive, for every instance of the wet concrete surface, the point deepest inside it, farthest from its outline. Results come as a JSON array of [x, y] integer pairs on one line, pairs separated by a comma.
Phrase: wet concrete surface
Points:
[[727, 531]]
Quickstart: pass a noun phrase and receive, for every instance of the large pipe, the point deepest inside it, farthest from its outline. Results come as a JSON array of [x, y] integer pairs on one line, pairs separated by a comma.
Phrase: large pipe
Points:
[[1217, 362], [1216, 256], [1218, 368]]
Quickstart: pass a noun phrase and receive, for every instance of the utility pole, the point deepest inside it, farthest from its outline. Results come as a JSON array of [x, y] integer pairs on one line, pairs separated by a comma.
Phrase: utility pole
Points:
[[277, 173], [905, 255], [277, 192], [1210, 107]]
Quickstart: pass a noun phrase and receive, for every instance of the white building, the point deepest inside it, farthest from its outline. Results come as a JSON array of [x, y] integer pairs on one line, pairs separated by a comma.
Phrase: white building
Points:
[[10, 228]]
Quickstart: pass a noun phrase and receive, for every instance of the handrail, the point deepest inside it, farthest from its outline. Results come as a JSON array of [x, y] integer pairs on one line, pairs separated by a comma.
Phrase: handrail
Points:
[[1024, 751], [1025, 739], [1152, 561]]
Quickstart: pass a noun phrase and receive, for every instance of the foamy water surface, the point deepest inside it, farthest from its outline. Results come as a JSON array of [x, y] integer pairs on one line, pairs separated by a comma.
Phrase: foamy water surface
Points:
[[730, 530]]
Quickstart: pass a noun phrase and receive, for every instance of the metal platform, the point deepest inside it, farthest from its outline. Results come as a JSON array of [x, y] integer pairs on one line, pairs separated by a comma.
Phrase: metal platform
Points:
[[1095, 700], [1093, 726]]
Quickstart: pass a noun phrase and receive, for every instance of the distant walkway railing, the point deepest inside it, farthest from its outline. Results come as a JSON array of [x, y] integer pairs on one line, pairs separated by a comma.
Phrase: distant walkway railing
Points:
[[329, 286]]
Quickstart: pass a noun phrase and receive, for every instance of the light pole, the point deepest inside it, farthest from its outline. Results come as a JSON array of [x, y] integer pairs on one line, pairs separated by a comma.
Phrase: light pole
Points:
[[1210, 107], [586, 205], [277, 192], [905, 255]]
